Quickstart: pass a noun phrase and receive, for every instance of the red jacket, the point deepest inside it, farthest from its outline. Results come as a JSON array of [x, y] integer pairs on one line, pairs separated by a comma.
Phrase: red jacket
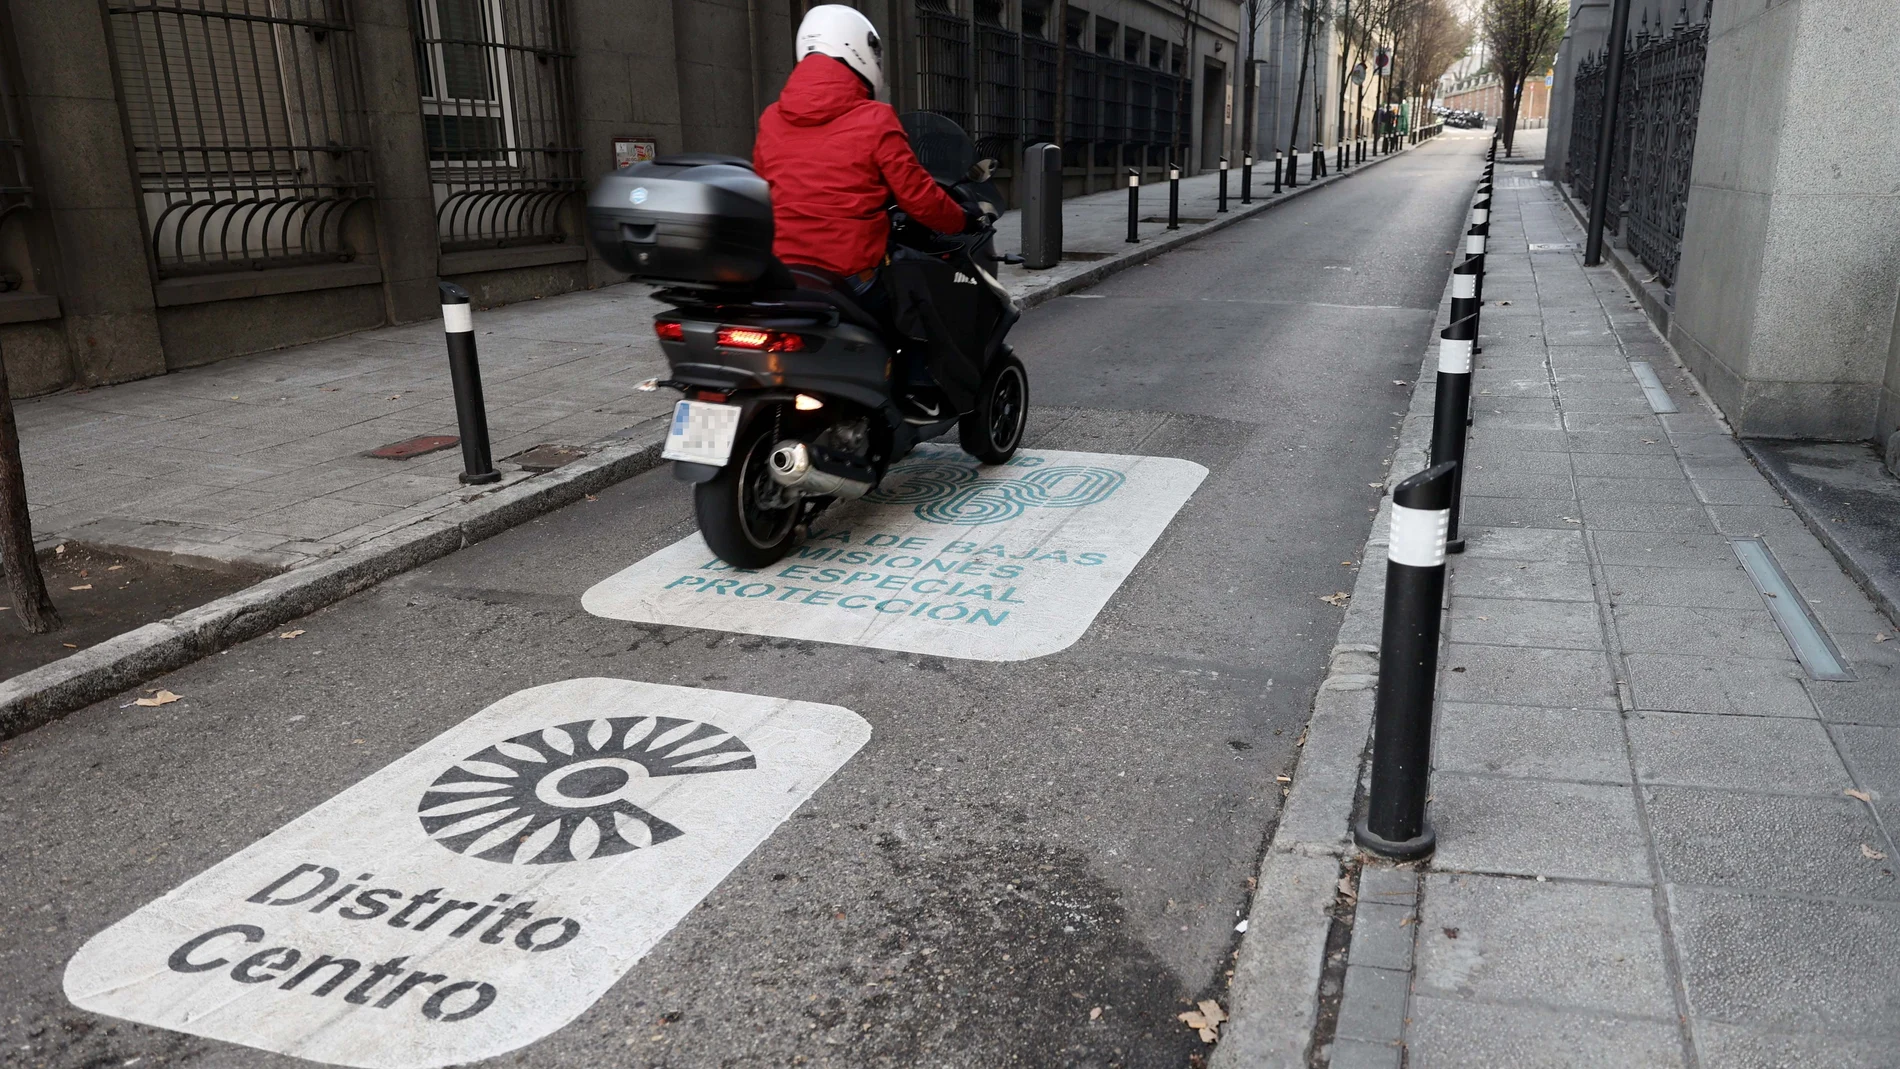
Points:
[[835, 158]]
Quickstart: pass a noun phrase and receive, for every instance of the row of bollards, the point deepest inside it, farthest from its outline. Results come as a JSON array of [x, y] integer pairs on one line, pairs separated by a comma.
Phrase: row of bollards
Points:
[[1424, 529]]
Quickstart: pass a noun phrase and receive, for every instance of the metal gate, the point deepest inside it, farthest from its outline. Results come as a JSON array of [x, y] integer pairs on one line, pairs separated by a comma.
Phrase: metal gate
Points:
[[1654, 146]]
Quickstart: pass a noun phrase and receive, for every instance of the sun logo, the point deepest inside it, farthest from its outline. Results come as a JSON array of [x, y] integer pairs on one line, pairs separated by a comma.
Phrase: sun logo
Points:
[[573, 792]]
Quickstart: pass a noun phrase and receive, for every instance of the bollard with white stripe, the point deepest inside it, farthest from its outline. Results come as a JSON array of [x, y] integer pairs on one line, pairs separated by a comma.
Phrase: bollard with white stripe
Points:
[[465, 376], [1174, 196], [1464, 296], [1246, 178], [1474, 250], [1394, 824], [1134, 204], [1223, 184], [1451, 412], [1279, 165]]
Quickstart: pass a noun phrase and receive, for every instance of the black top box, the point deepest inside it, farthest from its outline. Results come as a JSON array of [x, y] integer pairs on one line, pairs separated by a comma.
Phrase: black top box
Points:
[[688, 220]]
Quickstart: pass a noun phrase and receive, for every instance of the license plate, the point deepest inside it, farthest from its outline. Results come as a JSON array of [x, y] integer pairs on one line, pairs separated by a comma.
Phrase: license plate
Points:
[[702, 433]]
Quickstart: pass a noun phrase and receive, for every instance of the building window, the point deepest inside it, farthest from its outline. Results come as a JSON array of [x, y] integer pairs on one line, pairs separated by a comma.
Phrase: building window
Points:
[[247, 131], [496, 85]]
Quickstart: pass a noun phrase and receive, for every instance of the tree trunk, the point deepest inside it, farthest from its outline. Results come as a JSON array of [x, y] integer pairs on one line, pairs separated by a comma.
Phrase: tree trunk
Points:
[[24, 581], [1299, 92], [1513, 99]]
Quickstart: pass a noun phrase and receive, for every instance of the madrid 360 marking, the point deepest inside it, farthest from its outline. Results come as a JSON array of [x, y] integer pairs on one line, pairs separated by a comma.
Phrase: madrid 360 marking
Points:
[[945, 558], [481, 891]]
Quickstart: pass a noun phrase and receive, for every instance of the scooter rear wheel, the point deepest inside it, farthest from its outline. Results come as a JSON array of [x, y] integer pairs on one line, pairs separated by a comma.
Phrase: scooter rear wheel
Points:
[[992, 431], [737, 509]]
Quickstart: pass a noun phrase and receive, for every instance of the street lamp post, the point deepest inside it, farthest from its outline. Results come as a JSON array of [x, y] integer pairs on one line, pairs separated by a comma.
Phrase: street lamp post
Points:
[[1606, 137]]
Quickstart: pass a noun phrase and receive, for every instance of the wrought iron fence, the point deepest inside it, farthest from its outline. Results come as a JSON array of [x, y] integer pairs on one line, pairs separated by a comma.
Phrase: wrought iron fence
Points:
[[1111, 102], [1662, 98], [497, 91], [246, 127], [1654, 144], [16, 191]]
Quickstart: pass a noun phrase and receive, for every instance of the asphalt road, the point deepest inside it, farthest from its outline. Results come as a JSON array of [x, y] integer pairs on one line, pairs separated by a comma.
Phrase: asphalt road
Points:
[[1017, 845]]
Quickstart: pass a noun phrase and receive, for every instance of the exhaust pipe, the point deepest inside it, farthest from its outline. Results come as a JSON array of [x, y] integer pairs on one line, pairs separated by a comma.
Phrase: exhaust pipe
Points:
[[791, 468]]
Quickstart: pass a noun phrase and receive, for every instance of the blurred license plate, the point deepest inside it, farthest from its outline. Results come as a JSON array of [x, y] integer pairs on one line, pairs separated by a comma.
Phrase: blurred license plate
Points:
[[702, 433]]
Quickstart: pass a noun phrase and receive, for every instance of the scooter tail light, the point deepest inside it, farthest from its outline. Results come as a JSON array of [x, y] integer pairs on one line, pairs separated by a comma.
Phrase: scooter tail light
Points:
[[760, 338], [668, 330]]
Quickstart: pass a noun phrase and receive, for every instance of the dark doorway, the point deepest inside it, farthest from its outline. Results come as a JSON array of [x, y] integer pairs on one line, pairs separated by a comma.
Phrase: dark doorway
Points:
[[1213, 114]]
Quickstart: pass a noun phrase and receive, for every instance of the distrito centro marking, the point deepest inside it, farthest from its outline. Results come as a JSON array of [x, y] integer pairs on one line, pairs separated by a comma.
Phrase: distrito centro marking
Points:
[[946, 557], [480, 892]]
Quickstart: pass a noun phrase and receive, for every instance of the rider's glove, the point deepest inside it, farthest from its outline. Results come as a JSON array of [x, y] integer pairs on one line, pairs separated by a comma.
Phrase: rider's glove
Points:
[[973, 219]]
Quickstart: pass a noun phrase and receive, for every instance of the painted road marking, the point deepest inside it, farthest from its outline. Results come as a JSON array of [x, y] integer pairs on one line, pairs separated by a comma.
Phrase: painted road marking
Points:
[[480, 892], [945, 558]]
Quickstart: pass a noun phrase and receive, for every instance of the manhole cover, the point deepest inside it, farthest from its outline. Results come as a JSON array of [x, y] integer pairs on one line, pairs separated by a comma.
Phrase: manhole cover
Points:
[[547, 457], [415, 447], [1553, 246]]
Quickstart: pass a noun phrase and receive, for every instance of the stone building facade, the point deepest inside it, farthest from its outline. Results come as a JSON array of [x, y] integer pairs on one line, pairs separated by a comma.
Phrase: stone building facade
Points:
[[186, 181], [1784, 297]]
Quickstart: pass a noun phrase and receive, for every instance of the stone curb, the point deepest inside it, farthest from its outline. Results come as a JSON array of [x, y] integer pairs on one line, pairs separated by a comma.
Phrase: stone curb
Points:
[[1274, 997], [33, 698], [50, 691], [1149, 249]]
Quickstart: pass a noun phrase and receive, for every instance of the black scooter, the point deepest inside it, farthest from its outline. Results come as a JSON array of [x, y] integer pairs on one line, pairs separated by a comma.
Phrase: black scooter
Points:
[[792, 391]]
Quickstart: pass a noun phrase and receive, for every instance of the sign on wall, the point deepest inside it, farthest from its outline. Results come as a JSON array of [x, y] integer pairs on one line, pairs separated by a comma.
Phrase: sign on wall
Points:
[[631, 150], [946, 557], [480, 892]]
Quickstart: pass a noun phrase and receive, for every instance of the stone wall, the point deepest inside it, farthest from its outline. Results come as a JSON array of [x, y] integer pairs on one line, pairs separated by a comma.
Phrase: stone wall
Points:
[[1785, 299]]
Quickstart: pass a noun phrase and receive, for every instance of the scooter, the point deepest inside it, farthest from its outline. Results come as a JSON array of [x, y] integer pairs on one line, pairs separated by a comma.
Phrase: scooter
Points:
[[791, 390]]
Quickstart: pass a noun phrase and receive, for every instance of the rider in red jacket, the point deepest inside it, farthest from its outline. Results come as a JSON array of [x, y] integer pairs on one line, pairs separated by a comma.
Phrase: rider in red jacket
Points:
[[835, 157]]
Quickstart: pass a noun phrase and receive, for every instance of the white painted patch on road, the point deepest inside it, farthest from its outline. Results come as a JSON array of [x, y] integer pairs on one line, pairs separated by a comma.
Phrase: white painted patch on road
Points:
[[480, 892], [945, 558]]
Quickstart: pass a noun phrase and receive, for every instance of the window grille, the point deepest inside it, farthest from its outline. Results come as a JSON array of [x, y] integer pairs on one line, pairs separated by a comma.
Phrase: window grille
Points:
[[496, 81], [16, 193], [943, 46], [247, 131]]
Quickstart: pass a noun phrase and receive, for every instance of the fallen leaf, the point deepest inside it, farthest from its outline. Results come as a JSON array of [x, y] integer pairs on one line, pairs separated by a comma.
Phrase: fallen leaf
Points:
[[1882, 637], [1407, 920], [591, 497], [70, 645], [1345, 888], [60, 549], [1647, 441], [1338, 598], [1400, 382], [1862, 795], [1095, 1014], [1460, 668], [163, 697], [82, 586], [1504, 303], [1206, 1019], [1871, 854], [1451, 933], [291, 634]]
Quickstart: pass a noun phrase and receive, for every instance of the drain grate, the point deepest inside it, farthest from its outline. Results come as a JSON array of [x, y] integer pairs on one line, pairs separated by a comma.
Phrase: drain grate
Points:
[[1816, 652], [1659, 399]]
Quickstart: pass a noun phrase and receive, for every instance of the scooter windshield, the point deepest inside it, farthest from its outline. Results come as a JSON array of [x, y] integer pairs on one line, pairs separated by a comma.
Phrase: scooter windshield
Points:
[[940, 144]]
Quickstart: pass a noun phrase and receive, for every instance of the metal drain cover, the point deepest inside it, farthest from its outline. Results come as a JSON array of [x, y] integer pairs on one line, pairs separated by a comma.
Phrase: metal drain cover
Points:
[[415, 447]]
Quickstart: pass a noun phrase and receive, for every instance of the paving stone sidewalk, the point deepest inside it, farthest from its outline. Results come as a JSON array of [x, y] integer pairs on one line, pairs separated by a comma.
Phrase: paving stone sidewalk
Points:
[[261, 461], [1661, 841]]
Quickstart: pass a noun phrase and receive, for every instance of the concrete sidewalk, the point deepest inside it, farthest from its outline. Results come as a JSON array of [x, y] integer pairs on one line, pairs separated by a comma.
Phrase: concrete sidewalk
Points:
[[261, 462], [1662, 841]]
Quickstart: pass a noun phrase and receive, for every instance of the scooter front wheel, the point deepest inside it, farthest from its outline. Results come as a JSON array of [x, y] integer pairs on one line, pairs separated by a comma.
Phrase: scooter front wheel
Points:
[[992, 431], [746, 518]]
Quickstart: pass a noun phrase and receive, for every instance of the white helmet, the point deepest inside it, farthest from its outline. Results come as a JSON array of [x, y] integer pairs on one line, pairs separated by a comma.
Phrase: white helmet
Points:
[[842, 33]]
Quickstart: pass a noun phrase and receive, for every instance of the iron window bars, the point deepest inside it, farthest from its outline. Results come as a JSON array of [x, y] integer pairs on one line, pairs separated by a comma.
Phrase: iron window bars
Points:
[[1111, 101], [496, 80], [246, 128], [16, 191]]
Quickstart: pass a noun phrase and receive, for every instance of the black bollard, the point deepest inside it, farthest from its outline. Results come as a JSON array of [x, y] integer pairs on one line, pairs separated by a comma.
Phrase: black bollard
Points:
[[1451, 414], [1339, 154], [1279, 163], [1474, 250], [1223, 185], [1464, 300], [1246, 179], [465, 375], [1174, 197], [1394, 825], [1134, 204], [1319, 162]]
